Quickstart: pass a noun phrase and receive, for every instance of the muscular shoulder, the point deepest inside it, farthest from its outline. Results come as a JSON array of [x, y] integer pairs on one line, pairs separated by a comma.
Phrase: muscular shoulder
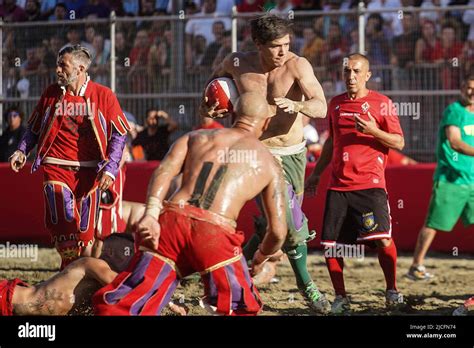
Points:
[[298, 65]]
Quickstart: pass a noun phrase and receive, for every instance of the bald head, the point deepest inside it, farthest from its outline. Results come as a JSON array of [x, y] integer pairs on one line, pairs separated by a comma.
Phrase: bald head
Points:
[[358, 57], [252, 107]]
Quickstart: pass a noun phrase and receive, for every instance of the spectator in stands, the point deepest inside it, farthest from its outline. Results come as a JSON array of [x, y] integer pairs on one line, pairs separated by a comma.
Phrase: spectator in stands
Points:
[[131, 7], [30, 69], [138, 63], [250, 5], [448, 49], [224, 51], [74, 38], [32, 10], [60, 12], [147, 7], [12, 135], [94, 9], [425, 50], [202, 26], [208, 123], [468, 19], [10, 12], [391, 20], [159, 61], [47, 8], [155, 137], [282, 8], [432, 16], [10, 81], [468, 57], [99, 66], [403, 53], [313, 47], [335, 50], [218, 30], [354, 40], [378, 49], [90, 34]]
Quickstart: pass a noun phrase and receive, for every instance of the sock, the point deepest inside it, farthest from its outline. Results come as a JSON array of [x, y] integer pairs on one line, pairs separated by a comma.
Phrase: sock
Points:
[[297, 258], [251, 247], [336, 268], [388, 262]]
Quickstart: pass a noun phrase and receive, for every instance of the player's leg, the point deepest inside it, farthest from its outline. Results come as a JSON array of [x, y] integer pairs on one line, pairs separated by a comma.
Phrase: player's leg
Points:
[[62, 214], [229, 290], [448, 202], [336, 228], [145, 288]]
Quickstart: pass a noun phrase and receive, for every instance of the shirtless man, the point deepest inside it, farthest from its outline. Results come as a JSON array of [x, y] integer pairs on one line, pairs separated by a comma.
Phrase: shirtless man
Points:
[[221, 170], [290, 87], [71, 290]]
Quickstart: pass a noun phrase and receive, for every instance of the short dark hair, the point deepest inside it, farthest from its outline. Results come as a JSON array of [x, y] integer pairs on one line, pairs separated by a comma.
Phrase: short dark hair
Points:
[[359, 56], [269, 27]]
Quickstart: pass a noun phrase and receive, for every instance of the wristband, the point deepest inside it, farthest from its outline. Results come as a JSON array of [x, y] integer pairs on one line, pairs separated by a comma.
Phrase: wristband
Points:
[[153, 207]]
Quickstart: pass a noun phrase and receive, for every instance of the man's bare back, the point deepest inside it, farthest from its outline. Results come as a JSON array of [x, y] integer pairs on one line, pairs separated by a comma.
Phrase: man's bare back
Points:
[[240, 167]]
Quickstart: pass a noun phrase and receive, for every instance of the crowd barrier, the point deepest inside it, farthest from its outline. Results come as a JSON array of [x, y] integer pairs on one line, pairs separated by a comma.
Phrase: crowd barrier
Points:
[[409, 189]]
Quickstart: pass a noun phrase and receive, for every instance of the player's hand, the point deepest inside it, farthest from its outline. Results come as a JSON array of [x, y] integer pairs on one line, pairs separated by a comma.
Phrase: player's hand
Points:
[[258, 262], [105, 181], [17, 160], [366, 127], [177, 309], [311, 185], [147, 231], [206, 111], [288, 105]]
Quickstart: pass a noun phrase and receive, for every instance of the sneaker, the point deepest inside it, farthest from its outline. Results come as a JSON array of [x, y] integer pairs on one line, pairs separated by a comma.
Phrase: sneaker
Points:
[[315, 299], [419, 273], [340, 305], [466, 308], [394, 299]]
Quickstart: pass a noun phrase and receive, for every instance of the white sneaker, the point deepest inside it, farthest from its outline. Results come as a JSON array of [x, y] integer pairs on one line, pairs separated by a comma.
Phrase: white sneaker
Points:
[[341, 305], [394, 299], [419, 273]]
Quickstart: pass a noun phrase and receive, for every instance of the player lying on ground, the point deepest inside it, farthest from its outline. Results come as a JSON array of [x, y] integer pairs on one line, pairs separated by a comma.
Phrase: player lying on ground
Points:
[[70, 291], [222, 170]]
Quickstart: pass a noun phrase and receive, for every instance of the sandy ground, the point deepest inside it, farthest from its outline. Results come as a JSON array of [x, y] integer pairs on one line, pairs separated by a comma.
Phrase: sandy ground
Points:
[[364, 282]]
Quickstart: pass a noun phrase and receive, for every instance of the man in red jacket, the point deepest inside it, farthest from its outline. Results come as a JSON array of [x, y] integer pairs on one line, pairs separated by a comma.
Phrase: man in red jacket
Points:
[[80, 132]]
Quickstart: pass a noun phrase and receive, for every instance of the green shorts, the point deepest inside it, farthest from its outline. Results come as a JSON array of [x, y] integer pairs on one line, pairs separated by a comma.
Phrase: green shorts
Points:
[[448, 203], [294, 167]]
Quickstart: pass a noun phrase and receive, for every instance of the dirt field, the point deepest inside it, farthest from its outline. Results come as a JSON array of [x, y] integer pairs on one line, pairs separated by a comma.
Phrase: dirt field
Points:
[[364, 282]]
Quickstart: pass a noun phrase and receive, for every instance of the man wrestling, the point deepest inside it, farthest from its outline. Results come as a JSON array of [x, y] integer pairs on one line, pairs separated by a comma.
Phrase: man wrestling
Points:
[[70, 291], [290, 87], [221, 170]]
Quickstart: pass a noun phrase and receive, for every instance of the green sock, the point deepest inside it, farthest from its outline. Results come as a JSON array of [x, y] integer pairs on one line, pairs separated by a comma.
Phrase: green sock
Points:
[[297, 258], [251, 247]]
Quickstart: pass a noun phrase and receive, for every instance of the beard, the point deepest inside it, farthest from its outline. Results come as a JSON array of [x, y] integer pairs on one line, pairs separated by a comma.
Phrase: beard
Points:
[[66, 80]]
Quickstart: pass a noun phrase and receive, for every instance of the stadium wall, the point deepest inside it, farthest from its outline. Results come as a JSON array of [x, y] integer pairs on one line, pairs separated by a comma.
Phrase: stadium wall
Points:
[[409, 189]]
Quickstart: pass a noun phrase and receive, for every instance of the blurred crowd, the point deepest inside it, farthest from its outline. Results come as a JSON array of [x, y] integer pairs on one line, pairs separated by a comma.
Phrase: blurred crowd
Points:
[[427, 50], [430, 47]]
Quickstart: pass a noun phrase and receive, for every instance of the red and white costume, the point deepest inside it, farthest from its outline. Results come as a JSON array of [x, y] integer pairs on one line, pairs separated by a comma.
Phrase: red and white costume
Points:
[[77, 137]]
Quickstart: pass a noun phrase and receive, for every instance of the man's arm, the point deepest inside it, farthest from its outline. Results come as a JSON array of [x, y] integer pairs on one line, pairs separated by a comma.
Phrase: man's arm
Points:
[[453, 134], [273, 199], [164, 174], [390, 140], [315, 104], [98, 269]]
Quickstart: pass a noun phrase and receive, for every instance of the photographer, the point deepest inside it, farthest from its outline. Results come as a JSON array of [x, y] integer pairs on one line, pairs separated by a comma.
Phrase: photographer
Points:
[[154, 138]]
